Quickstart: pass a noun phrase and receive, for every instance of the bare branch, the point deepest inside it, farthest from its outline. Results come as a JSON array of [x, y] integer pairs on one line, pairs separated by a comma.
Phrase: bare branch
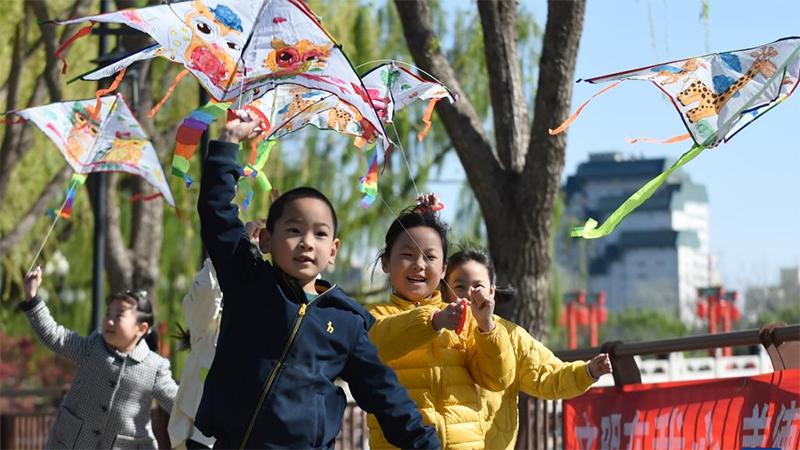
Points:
[[36, 210], [460, 119], [498, 19]]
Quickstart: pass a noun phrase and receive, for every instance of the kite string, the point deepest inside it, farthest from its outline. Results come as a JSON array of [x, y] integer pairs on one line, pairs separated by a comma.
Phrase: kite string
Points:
[[47, 236], [408, 166]]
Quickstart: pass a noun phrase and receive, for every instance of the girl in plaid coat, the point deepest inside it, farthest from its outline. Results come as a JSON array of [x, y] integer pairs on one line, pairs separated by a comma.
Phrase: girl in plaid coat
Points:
[[118, 376]]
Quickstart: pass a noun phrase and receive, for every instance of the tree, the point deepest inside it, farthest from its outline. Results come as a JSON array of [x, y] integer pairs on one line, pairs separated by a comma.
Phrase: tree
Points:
[[516, 179]]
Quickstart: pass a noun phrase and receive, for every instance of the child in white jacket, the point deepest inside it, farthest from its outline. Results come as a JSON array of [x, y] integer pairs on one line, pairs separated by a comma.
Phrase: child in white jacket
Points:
[[202, 308]]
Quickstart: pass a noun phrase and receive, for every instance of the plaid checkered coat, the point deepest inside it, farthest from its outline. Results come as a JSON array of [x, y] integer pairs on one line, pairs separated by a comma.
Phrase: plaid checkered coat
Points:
[[109, 403]]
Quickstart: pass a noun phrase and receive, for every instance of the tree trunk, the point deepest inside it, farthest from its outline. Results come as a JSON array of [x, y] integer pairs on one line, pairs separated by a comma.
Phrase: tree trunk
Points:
[[516, 180]]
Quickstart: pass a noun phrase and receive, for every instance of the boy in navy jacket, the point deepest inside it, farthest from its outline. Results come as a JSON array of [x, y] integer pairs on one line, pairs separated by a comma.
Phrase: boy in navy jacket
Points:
[[285, 335]]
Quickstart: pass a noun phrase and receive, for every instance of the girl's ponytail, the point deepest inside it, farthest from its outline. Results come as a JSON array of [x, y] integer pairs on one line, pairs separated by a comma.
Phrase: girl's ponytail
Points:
[[151, 338]]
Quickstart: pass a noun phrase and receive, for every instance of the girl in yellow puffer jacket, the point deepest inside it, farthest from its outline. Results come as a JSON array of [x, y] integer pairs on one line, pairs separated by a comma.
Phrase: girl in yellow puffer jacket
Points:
[[444, 372], [539, 372]]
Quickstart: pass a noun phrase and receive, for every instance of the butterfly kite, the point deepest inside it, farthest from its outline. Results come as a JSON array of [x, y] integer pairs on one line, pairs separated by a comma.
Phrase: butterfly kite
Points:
[[717, 95], [114, 142]]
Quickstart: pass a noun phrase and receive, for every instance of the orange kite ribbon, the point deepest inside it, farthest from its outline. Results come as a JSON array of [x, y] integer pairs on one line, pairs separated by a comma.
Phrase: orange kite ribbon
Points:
[[169, 92], [427, 118], [81, 33], [102, 92], [671, 140], [574, 115]]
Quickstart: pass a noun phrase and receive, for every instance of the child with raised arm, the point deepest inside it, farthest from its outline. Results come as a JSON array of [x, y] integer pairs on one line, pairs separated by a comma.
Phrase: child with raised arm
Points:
[[417, 334], [119, 373], [471, 275], [285, 335]]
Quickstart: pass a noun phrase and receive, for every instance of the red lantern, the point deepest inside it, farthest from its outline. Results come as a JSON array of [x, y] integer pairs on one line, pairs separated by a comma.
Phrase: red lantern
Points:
[[736, 315], [702, 309], [562, 318], [602, 314], [723, 308]]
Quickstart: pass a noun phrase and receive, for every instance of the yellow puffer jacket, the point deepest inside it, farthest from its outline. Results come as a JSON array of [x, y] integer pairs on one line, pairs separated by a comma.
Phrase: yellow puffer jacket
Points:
[[443, 372], [539, 374]]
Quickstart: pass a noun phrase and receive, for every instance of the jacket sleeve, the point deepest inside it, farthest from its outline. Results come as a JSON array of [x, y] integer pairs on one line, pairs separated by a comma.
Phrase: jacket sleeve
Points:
[[542, 374], [202, 303], [377, 391], [396, 335], [222, 232], [165, 388], [63, 342], [491, 357]]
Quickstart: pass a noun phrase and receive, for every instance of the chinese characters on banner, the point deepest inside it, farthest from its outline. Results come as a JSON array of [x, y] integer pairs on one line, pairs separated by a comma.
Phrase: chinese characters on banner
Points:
[[730, 413]]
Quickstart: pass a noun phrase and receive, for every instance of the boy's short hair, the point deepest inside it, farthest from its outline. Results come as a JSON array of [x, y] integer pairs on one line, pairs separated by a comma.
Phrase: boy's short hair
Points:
[[276, 209]]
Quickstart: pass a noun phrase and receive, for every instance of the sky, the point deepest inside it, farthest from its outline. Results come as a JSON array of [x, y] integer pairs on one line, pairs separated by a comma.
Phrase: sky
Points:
[[753, 182]]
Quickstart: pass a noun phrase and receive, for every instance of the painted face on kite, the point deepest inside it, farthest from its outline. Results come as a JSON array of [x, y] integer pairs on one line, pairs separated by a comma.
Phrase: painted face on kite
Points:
[[82, 133], [216, 42], [126, 151], [303, 56]]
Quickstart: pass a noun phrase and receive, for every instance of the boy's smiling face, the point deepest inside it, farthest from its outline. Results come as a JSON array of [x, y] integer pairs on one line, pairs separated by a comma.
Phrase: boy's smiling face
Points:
[[302, 243]]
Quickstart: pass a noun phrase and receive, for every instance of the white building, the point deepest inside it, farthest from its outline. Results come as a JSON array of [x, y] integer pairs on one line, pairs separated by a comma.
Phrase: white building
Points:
[[659, 255]]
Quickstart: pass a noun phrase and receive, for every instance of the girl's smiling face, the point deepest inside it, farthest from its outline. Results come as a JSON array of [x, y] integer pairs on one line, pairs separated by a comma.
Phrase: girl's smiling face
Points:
[[415, 263], [121, 327]]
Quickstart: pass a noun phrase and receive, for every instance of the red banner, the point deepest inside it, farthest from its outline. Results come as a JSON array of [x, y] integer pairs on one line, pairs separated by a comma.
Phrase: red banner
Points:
[[728, 413]]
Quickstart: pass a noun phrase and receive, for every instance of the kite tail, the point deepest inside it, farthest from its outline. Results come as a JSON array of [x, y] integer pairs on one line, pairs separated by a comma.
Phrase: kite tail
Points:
[[244, 186], [172, 86], [81, 33], [101, 92], [575, 115], [65, 211], [12, 121], [368, 185], [427, 118], [189, 134], [136, 197], [590, 230], [671, 140]]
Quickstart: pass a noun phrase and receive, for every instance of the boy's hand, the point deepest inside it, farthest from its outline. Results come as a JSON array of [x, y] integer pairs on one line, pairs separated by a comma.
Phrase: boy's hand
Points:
[[449, 317], [32, 282], [237, 130], [599, 365], [482, 308], [252, 228]]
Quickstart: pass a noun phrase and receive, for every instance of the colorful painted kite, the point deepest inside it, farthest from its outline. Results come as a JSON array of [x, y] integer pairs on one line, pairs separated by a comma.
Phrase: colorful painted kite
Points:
[[115, 142], [290, 107], [717, 95], [241, 50]]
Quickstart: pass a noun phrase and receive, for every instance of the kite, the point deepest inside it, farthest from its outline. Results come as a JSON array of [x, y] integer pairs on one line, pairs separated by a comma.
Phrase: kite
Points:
[[115, 142], [242, 50], [717, 95], [290, 107]]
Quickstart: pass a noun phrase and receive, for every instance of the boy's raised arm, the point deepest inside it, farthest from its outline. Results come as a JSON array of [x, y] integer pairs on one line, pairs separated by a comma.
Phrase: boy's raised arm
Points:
[[222, 231]]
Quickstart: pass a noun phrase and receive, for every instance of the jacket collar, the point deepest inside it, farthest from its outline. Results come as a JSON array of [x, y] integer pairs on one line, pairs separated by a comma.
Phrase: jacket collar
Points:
[[139, 354], [434, 299], [292, 288]]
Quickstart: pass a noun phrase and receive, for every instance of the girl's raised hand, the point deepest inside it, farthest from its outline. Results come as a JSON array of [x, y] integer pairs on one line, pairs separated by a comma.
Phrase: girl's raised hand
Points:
[[599, 365], [449, 317], [482, 308], [33, 280]]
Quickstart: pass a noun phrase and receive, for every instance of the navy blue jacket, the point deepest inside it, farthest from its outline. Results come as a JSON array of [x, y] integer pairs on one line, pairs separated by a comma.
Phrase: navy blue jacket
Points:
[[271, 382]]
